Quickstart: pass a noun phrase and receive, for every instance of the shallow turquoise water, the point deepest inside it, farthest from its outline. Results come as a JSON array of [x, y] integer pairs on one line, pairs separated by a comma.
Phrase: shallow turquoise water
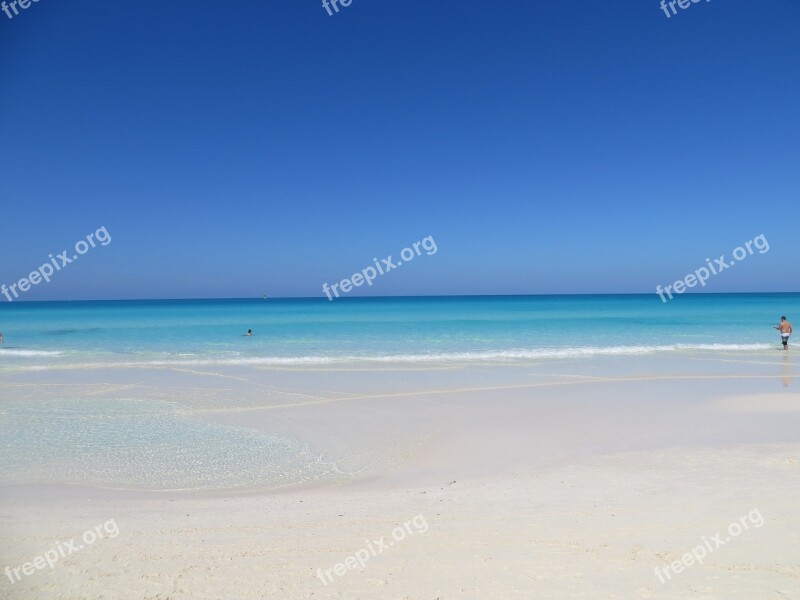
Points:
[[143, 444], [383, 329]]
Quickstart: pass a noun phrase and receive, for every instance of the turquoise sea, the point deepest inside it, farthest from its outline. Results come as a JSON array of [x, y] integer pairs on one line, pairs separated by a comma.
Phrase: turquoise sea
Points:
[[409, 329]]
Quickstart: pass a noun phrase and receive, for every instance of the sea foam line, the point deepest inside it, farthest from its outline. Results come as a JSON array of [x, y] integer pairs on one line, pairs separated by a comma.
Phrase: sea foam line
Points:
[[20, 352], [512, 355]]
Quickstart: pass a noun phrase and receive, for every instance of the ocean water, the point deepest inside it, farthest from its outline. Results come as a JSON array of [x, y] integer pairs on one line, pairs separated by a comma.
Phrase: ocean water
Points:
[[147, 436], [351, 330]]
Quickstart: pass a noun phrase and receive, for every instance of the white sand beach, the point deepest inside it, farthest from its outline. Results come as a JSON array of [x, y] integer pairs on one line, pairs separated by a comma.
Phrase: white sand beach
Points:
[[560, 479]]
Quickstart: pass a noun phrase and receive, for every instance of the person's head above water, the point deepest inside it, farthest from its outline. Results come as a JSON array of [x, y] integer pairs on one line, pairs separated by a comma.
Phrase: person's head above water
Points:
[[783, 318]]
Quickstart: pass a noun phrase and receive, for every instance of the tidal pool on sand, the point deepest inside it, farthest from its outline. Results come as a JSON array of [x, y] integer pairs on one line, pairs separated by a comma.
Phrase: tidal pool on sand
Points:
[[145, 444]]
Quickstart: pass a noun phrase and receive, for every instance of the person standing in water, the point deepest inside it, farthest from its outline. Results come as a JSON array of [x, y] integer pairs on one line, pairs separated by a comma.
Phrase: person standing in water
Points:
[[786, 330], [249, 332]]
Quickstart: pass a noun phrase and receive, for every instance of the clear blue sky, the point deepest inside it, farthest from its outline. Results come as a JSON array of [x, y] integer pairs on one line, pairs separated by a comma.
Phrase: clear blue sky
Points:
[[261, 146]]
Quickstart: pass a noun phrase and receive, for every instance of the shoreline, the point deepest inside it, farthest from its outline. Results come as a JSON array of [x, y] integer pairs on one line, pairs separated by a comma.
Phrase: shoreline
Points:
[[265, 404]]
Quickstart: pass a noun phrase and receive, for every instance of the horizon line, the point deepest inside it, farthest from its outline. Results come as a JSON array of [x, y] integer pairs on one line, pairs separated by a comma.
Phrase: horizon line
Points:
[[234, 298]]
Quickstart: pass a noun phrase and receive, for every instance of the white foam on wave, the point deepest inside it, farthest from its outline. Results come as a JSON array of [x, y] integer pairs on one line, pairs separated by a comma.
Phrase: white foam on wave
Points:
[[20, 352], [537, 353], [491, 355], [510, 355]]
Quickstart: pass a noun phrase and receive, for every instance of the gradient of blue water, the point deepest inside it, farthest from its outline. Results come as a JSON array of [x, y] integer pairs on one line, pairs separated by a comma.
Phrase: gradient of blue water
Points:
[[309, 330], [149, 439]]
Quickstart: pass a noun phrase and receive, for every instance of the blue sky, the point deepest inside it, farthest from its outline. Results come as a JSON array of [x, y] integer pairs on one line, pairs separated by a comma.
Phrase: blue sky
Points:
[[238, 148]]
